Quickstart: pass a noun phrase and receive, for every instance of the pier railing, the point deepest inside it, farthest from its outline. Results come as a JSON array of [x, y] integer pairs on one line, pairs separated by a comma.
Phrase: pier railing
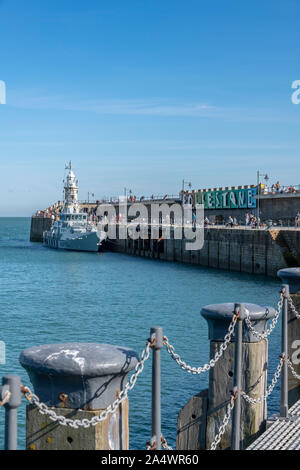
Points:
[[132, 198], [12, 389]]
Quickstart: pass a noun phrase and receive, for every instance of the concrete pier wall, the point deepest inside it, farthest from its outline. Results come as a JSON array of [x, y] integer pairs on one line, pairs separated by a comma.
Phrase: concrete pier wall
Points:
[[38, 226], [234, 249]]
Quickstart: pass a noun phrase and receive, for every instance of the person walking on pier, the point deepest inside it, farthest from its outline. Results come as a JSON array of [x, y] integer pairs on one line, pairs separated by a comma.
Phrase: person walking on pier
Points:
[[230, 221]]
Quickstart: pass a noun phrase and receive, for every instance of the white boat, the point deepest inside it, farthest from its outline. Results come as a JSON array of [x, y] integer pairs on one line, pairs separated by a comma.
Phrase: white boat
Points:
[[72, 230]]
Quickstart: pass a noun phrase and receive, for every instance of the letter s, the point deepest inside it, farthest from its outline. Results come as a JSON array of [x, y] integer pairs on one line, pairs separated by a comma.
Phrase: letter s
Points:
[[296, 94], [295, 356]]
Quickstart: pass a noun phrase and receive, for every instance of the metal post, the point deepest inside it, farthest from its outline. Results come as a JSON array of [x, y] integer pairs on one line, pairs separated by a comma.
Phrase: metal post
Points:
[[11, 383], [284, 350], [236, 422], [258, 195], [156, 334]]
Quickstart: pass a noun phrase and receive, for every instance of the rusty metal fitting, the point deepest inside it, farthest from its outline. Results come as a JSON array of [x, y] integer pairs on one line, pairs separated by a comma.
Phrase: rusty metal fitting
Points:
[[151, 343], [150, 446], [236, 315], [284, 357], [5, 399], [27, 393], [234, 395], [63, 398], [283, 293]]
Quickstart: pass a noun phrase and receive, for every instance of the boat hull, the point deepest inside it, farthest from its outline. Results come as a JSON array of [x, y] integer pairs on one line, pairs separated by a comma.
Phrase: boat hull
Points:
[[86, 242]]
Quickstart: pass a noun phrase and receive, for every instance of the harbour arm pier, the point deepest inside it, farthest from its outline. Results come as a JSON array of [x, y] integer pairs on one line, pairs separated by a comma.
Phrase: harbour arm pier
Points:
[[263, 247], [242, 249]]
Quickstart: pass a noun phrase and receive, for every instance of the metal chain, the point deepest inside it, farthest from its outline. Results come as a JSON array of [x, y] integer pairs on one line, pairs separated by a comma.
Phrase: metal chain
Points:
[[294, 373], [273, 323], [5, 399], [165, 444], [275, 378], [111, 409], [152, 444], [212, 362], [293, 308], [224, 424]]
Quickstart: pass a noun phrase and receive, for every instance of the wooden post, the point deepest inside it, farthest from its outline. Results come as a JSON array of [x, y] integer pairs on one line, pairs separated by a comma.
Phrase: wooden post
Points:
[[78, 380], [209, 407]]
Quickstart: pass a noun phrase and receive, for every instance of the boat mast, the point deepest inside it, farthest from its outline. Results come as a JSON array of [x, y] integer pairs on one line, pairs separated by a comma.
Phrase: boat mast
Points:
[[70, 192]]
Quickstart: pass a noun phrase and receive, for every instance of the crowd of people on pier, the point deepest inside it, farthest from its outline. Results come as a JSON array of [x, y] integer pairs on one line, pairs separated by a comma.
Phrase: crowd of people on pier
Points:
[[276, 188], [250, 221], [51, 212]]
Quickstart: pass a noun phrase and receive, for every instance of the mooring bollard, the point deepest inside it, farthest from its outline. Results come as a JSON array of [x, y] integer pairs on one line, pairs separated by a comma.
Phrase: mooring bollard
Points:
[[254, 366], [284, 407], [201, 418], [156, 337], [254, 363], [291, 277], [11, 384], [76, 381], [239, 310]]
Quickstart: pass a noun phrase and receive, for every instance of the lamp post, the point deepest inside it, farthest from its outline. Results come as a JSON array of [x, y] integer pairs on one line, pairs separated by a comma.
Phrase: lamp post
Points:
[[266, 177], [92, 194], [125, 191], [184, 183]]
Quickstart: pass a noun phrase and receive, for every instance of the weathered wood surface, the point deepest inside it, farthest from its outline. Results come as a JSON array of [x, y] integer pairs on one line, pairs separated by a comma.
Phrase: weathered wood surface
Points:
[[200, 419], [44, 434], [254, 382], [191, 425]]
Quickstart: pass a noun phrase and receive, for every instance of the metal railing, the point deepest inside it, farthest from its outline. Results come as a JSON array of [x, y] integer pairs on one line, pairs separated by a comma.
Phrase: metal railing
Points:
[[131, 199]]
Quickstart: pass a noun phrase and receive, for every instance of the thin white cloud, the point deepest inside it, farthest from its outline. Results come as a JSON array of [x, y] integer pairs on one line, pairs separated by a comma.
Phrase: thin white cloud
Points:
[[34, 99], [110, 106]]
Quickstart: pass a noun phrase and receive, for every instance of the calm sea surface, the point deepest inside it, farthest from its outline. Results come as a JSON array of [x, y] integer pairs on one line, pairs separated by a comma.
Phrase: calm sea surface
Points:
[[50, 296]]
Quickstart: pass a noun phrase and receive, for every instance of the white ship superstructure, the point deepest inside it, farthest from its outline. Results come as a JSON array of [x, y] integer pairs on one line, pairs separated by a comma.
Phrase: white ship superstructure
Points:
[[72, 230]]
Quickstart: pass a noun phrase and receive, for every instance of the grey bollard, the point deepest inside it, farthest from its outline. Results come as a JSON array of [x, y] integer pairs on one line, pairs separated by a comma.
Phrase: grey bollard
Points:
[[219, 316], [291, 277], [221, 377], [78, 380]]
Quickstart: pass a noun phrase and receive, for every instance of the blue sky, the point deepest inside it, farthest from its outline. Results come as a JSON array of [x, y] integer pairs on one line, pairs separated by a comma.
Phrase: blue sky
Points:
[[141, 94]]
